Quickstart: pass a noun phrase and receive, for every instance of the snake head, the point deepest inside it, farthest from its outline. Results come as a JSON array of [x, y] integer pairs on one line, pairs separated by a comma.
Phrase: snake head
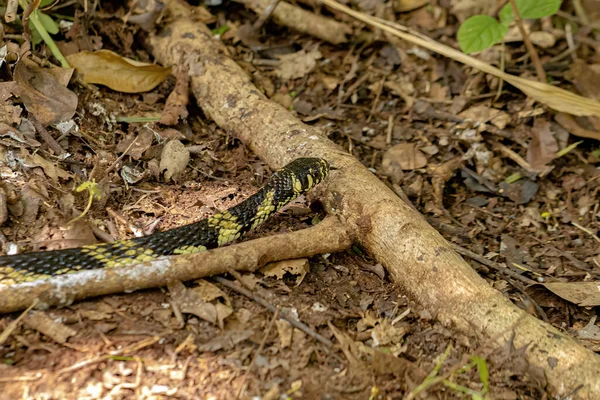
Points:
[[309, 171]]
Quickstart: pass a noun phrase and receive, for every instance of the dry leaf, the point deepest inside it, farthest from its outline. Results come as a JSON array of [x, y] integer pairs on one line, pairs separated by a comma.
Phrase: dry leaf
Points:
[[543, 146], [405, 155], [176, 105], [296, 65], [118, 73], [54, 172], [553, 97], [408, 5], [584, 294], [190, 302], [484, 114], [143, 141], [174, 158], [209, 292], [568, 122], [43, 96], [285, 331], [278, 269]]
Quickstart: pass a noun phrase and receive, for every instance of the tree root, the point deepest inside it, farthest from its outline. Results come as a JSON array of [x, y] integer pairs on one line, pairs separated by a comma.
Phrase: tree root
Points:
[[418, 259]]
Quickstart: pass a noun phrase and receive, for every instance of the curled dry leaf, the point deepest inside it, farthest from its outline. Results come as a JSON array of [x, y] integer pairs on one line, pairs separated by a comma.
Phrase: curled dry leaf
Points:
[[122, 74], [53, 171], [174, 158], [543, 146], [43, 95], [176, 106], [570, 124]]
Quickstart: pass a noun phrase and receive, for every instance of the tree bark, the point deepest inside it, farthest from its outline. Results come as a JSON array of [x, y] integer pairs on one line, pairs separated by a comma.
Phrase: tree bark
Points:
[[418, 259]]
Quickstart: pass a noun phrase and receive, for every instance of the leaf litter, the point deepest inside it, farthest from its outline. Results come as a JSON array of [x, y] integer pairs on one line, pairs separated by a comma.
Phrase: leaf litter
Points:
[[378, 102]]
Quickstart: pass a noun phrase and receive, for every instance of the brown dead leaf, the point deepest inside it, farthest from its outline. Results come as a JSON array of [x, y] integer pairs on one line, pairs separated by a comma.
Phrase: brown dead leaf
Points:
[[44, 324], [210, 292], [43, 95], [484, 114], [543, 146], [584, 294], [278, 269], [385, 333], [570, 124], [176, 105], [285, 331], [10, 114], [173, 159], [408, 5], [122, 74], [190, 302], [297, 65], [143, 141], [405, 155], [53, 171]]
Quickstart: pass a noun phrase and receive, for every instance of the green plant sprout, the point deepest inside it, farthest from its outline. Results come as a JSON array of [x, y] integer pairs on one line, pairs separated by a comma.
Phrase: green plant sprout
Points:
[[42, 26], [93, 191], [481, 32]]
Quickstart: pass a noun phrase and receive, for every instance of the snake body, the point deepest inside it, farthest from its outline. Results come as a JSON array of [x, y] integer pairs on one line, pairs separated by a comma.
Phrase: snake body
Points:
[[283, 186]]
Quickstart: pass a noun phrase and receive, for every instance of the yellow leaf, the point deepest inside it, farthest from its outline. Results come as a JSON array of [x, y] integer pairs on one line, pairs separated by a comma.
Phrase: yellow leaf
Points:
[[106, 68]]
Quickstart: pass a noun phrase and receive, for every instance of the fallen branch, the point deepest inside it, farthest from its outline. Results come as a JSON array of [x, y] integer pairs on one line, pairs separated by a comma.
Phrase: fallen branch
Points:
[[302, 20], [418, 259], [327, 237]]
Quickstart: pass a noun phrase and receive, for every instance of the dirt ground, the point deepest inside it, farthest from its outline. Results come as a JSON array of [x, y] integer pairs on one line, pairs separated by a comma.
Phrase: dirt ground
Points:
[[479, 161]]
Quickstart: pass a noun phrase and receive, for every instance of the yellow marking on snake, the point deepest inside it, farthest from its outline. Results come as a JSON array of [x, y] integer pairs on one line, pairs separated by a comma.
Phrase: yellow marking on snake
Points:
[[189, 249], [265, 209], [228, 227], [296, 184]]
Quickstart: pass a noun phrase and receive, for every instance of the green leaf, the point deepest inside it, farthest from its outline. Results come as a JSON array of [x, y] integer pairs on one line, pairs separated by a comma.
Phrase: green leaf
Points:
[[479, 32], [530, 9], [48, 23], [45, 3], [484, 374]]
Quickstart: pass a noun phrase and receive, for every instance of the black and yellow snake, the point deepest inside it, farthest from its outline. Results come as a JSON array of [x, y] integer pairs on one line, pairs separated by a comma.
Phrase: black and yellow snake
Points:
[[283, 186]]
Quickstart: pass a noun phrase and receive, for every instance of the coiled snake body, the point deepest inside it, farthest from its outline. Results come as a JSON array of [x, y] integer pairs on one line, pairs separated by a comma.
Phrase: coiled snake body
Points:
[[283, 186]]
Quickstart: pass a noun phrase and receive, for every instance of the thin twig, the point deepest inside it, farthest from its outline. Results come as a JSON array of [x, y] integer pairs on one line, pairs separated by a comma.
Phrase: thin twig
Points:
[[490, 264], [586, 230], [303, 327], [46, 136], [535, 59]]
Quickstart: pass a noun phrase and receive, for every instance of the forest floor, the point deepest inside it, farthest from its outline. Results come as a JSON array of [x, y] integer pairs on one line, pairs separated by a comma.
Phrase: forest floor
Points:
[[489, 168]]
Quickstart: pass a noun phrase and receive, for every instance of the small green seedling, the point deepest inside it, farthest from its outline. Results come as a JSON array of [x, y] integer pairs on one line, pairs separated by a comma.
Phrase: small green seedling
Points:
[[480, 32], [93, 192], [42, 26]]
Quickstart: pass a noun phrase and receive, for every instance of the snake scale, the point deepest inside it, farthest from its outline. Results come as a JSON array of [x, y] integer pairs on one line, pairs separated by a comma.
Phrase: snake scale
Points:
[[283, 186]]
